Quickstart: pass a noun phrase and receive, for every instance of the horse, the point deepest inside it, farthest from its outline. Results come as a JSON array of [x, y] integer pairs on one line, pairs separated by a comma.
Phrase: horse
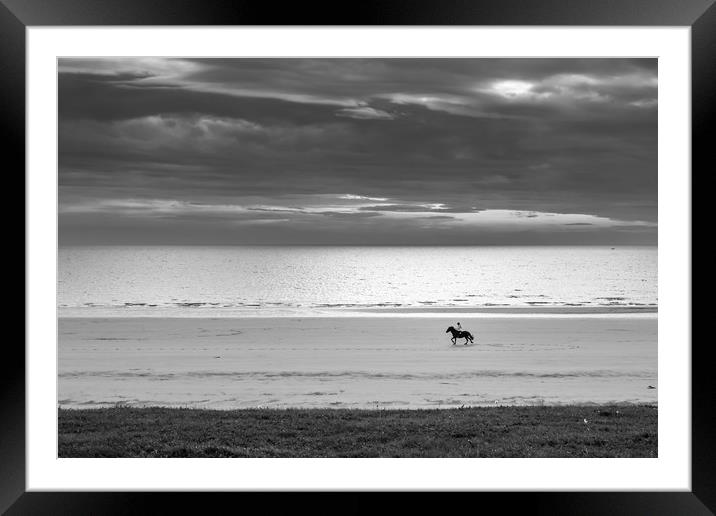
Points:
[[457, 334]]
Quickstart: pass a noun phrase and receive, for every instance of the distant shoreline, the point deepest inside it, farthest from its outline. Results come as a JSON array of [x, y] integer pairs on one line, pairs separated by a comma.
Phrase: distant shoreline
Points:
[[346, 311], [517, 309], [549, 431]]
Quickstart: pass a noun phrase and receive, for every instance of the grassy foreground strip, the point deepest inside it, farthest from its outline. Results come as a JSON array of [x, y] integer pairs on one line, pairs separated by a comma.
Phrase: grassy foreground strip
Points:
[[544, 431]]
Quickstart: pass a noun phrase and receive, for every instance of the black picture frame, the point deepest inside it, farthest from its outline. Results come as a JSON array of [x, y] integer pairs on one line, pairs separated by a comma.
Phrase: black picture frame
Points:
[[17, 15]]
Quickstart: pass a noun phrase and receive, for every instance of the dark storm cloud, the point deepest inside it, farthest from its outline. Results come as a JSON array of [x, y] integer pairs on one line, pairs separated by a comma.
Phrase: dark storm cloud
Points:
[[83, 96], [312, 144]]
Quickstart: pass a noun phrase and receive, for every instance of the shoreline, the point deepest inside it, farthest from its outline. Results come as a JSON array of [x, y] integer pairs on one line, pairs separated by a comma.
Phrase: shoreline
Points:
[[344, 311], [519, 310], [604, 430]]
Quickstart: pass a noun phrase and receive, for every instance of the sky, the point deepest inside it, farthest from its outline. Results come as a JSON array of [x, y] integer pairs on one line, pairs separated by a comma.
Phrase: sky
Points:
[[357, 151]]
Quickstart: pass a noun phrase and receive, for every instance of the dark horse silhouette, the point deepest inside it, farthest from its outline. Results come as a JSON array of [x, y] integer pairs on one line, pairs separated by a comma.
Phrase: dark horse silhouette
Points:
[[457, 334]]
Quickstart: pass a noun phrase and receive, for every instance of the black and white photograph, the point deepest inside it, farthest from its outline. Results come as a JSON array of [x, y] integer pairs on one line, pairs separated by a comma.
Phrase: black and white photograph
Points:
[[357, 257]]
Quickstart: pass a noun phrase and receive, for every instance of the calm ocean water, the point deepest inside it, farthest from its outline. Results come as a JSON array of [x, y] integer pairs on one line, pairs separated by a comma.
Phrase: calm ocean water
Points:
[[185, 281]]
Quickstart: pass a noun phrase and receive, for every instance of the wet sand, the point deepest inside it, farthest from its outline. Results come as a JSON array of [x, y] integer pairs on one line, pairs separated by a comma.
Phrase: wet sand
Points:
[[357, 362]]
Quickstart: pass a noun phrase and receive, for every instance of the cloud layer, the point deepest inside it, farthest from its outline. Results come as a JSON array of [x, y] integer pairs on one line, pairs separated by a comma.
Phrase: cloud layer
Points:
[[358, 151]]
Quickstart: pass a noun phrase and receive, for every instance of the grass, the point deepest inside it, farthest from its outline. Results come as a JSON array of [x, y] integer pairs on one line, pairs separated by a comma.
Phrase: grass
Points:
[[543, 431]]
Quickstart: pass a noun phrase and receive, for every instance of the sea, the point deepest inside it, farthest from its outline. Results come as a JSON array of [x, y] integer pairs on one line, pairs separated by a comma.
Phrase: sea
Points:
[[176, 281]]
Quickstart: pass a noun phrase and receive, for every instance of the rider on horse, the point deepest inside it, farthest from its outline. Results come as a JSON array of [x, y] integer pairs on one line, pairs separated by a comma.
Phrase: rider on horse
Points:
[[459, 333]]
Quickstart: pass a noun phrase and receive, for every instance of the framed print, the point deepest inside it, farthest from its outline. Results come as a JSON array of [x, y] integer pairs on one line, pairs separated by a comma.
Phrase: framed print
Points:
[[417, 248]]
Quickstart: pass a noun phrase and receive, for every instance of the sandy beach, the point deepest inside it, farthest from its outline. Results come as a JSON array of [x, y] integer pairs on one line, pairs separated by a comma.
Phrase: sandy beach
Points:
[[357, 362]]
